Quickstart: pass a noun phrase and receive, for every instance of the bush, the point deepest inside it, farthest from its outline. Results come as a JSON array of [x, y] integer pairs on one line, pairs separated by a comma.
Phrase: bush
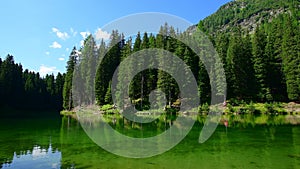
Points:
[[171, 111], [269, 107], [204, 108], [141, 104], [251, 108], [230, 108], [106, 107]]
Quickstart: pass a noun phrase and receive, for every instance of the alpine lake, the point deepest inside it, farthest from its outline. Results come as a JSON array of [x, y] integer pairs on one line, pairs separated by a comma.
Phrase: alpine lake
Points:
[[244, 141]]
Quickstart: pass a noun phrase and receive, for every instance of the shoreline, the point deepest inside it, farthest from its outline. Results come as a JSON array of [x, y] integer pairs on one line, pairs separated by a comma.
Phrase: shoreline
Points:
[[274, 108]]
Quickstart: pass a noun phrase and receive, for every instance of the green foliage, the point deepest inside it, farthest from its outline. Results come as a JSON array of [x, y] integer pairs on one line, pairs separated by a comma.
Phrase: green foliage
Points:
[[231, 108], [250, 108], [261, 65], [235, 12], [204, 108], [108, 64], [67, 113], [109, 109], [106, 107], [260, 62], [67, 86], [108, 95], [26, 90], [291, 58], [269, 107]]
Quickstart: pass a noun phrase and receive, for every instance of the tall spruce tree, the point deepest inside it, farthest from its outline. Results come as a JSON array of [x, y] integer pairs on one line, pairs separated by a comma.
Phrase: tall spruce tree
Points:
[[123, 74], [291, 60], [67, 89], [107, 66], [273, 50], [261, 64], [88, 64], [239, 67]]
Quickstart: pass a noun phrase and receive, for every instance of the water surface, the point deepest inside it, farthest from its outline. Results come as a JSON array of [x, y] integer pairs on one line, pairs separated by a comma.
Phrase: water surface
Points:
[[248, 142]]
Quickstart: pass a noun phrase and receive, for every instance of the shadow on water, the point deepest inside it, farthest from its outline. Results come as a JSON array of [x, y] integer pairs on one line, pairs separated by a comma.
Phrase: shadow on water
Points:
[[250, 142]]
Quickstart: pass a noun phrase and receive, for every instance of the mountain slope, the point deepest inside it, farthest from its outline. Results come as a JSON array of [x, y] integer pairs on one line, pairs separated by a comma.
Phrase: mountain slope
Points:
[[260, 38], [247, 14]]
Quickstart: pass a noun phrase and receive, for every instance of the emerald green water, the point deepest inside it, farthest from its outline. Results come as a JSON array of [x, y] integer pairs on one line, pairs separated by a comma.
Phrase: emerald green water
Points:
[[249, 142]]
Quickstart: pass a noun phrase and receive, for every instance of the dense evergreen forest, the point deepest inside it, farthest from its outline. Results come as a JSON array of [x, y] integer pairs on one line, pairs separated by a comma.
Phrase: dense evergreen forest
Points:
[[261, 58], [25, 90], [258, 42]]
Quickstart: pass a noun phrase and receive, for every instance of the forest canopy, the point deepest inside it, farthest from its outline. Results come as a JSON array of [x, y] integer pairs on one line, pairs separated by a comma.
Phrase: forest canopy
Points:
[[257, 41]]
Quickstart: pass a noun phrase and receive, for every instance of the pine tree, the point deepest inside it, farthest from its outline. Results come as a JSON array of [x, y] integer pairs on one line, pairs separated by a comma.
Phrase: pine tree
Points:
[[59, 86], [108, 96], [88, 64], [50, 85], [123, 74], [136, 84], [273, 50], [152, 73], [260, 61], [67, 89], [165, 81], [222, 42], [26, 90], [144, 74], [291, 60], [250, 91], [101, 51], [240, 71], [107, 67]]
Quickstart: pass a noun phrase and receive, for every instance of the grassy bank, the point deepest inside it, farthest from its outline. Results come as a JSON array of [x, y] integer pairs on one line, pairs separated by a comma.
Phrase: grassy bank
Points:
[[230, 108], [257, 108], [70, 113]]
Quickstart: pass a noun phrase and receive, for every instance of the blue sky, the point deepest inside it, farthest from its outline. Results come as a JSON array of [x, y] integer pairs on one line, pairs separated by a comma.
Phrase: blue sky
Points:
[[40, 34]]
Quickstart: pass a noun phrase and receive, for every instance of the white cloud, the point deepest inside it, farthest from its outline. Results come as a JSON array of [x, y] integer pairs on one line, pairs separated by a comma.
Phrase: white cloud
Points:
[[85, 34], [55, 45], [61, 59], [100, 34], [44, 70], [73, 32], [67, 49], [81, 42], [60, 35], [55, 30], [47, 53]]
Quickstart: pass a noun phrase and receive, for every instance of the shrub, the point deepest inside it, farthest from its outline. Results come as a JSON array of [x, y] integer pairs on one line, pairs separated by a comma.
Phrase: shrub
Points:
[[204, 108], [269, 107], [106, 107], [250, 108]]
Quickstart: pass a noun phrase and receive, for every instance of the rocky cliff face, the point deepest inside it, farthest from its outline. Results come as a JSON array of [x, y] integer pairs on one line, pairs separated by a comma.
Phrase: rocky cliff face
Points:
[[251, 23], [247, 14]]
